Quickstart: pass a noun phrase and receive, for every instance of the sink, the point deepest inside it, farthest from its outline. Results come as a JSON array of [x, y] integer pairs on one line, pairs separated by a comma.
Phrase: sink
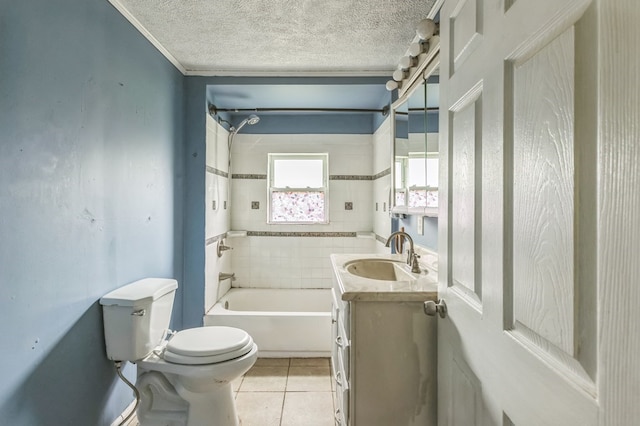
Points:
[[379, 269]]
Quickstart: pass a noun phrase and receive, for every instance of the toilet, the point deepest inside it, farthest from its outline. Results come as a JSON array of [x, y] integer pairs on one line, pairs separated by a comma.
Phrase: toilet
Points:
[[184, 378]]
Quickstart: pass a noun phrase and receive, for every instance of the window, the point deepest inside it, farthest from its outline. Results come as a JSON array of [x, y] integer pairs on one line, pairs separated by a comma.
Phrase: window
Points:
[[417, 177], [432, 180], [298, 189], [400, 168]]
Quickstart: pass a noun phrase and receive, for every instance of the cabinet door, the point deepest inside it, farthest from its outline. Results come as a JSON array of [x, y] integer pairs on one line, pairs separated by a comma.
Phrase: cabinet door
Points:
[[339, 361], [538, 224]]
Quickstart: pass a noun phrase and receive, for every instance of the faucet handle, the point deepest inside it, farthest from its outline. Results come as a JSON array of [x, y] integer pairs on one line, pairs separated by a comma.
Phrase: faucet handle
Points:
[[415, 265], [222, 248]]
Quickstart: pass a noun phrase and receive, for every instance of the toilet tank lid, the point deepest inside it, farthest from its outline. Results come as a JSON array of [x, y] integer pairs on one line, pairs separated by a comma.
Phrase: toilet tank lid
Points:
[[141, 291]]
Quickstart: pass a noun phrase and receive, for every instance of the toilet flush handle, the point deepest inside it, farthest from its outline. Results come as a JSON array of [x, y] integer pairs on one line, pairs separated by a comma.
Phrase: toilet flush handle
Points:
[[139, 313]]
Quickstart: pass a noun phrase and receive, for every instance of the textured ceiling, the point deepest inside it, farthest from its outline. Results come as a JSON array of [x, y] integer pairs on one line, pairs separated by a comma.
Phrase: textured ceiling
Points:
[[279, 37]]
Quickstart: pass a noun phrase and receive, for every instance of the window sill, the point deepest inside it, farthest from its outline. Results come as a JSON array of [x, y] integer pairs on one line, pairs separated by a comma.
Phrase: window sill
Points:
[[415, 211]]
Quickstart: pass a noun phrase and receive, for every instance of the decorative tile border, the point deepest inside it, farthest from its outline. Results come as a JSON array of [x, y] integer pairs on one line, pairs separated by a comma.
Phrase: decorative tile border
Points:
[[299, 234], [331, 177], [217, 172], [381, 239], [382, 174], [217, 238], [350, 177], [248, 176]]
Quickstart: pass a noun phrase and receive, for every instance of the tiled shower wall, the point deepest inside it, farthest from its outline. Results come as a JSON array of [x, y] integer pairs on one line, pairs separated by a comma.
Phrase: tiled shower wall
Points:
[[293, 256], [216, 219], [270, 256], [290, 262], [382, 185]]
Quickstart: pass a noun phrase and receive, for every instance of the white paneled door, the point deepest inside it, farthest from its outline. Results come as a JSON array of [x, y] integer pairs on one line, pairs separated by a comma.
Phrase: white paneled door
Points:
[[540, 213]]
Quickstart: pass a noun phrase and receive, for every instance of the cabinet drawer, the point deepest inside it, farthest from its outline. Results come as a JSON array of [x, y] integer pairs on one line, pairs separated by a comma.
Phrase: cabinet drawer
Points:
[[342, 407], [342, 393], [342, 346]]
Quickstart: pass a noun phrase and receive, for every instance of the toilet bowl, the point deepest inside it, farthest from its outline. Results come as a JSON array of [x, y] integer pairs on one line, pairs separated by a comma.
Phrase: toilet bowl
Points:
[[201, 379], [183, 379]]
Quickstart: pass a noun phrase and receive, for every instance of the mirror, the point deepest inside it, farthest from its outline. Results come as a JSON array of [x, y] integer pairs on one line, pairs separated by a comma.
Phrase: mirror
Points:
[[415, 149]]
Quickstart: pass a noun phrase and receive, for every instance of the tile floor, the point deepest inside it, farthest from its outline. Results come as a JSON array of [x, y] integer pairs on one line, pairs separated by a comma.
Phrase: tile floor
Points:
[[285, 392]]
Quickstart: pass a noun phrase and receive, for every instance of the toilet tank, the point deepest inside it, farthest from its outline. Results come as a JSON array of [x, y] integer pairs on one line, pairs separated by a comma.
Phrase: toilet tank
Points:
[[136, 317]]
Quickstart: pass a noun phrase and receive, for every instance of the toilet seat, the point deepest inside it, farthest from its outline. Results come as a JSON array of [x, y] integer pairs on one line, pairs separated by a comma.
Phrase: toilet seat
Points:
[[207, 345]]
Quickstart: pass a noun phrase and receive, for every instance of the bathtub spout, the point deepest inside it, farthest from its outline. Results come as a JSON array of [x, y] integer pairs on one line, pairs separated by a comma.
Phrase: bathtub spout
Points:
[[225, 276]]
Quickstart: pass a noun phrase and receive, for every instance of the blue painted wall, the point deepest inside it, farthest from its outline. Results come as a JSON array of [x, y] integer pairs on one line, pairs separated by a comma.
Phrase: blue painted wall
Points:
[[317, 124], [194, 204], [301, 92], [430, 227], [417, 123], [91, 178]]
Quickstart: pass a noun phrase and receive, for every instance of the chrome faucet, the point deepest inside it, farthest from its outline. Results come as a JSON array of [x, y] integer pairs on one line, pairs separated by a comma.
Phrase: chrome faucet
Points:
[[412, 257], [222, 247]]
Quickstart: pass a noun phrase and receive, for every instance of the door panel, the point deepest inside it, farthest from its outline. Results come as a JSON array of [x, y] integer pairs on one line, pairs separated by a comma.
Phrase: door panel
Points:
[[465, 183], [465, 30], [517, 346], [543, 191]]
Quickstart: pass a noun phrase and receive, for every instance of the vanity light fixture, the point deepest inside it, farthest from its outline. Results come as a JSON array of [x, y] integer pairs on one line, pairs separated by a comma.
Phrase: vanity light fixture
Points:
[[399, 75], [407, 62], [416, 48], [392, 85], [421, 52], [426, 29]]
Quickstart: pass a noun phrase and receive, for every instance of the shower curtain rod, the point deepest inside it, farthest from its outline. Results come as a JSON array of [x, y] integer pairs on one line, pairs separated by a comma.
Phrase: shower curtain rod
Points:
[[425, 109], [430, 109], [213, 110]]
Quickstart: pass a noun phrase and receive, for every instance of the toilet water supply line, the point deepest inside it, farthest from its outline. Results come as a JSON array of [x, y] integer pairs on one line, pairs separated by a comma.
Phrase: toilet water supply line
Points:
[[118, 365], [166, 336]]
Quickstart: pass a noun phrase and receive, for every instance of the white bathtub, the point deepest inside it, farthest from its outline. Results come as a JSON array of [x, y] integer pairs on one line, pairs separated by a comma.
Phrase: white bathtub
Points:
[[283, 322]]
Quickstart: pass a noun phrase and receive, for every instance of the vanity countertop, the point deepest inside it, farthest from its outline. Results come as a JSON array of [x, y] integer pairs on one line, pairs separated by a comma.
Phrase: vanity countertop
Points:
[[354, 288]]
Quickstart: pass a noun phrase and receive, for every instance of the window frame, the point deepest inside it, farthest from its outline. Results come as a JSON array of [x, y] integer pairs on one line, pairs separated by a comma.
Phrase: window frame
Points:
[[401, 181], [272, 157], [405, 189]]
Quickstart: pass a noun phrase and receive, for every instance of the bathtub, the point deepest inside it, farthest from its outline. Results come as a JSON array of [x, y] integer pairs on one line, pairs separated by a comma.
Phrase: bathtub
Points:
[[283, 322]]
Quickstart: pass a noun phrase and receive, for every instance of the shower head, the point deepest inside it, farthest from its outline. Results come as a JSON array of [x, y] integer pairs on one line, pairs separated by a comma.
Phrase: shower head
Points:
[[251, 120]]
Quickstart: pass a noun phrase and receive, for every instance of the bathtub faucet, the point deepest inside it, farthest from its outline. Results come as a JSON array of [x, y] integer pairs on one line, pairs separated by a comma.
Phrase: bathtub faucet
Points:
[[412, 257], [225, 276], [222, 248]]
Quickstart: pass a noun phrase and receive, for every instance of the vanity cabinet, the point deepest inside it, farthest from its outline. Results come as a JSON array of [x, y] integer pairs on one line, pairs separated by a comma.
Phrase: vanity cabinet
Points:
[[384, 358], [340, 358]]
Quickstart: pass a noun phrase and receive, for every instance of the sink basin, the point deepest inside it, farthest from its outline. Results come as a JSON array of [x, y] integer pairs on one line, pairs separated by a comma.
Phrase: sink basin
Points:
[[379, 269]]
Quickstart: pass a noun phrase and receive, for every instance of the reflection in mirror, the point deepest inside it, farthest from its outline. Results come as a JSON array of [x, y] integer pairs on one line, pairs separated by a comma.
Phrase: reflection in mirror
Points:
[[401, 150], [416, 150]]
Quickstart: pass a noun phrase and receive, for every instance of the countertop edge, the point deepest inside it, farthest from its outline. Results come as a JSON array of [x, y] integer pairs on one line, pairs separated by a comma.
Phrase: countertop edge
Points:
[[379, 292]]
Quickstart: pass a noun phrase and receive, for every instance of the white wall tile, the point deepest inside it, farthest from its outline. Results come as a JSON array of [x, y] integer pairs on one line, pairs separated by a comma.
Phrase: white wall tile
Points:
[[213, 266], [216, 221], [381, 147], [291, 262]]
